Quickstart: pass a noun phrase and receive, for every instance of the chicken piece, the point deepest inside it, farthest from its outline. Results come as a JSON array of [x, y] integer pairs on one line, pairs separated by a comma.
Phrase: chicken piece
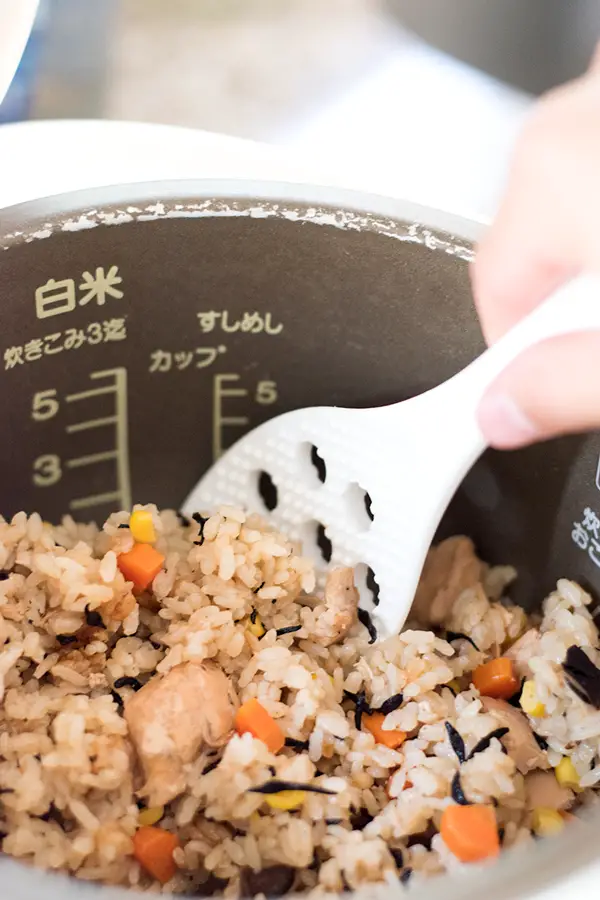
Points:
[[450, 568], [522, 650], [543, 790], [520, 741], [172, 718], [336, 616]]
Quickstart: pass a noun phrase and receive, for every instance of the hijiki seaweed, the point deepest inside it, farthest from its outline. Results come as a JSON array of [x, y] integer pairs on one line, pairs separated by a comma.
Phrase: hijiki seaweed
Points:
[[583, 677], [456, 742], [485, 742], [457, 792], [276, 787]]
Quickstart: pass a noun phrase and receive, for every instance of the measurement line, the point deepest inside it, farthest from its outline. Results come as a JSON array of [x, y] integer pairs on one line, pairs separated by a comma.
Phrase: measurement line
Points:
[[234, 420], [123, 471], [94, 392], [92, 423], [234, 392], [94, 500], [220, 421], [91, 459]]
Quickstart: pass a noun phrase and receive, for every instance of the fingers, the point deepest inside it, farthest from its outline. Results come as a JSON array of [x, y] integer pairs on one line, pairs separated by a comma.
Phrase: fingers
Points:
[[546, 229], [551, 389]]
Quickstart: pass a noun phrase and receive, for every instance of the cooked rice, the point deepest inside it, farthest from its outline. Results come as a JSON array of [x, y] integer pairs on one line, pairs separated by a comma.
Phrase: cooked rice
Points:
[[68, 771]]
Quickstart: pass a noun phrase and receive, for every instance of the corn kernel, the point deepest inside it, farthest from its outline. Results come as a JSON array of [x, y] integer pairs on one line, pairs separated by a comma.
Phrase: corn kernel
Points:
[[255, 625], [529, 700], [151, 816], [546, 822], [566, 773], [141, 526], [454, 685], [286, 799]]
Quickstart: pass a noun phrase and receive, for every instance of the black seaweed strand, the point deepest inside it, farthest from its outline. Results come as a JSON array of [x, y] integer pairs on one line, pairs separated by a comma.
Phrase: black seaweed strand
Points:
[[118, 699], [365, 619], [128, 681], [276, 787], [485, 742], [296, 745], [459, 636], [397, 856], [362, 709], [391, 704], [289, 630], [583, 677], [458, 795], [201, 521], [456, 742], [93, 618]]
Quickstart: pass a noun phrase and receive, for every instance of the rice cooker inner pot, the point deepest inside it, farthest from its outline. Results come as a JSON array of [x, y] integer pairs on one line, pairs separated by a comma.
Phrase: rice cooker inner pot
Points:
[[143, 336]]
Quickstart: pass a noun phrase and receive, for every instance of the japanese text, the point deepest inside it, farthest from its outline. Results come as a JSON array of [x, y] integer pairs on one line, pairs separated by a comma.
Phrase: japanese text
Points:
[[71, 339]]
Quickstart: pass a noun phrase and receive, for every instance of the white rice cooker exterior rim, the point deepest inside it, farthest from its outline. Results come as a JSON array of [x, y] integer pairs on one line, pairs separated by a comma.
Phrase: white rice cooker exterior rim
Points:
[[544, 871]]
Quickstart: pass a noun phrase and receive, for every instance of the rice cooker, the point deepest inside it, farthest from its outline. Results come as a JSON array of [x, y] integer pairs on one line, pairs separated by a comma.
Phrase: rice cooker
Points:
[[147, 327]]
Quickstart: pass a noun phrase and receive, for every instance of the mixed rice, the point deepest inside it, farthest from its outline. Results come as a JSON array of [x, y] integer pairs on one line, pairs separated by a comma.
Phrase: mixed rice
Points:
[[128, 710]]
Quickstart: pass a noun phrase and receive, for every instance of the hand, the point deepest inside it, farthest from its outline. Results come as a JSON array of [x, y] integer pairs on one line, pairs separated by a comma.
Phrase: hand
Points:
[[547, 230]]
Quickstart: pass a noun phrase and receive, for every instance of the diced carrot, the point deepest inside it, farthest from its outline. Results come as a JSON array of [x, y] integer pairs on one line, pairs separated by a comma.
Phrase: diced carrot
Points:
[[141, 565], [252, 717], [391, 739], [470, 832], [496, 678], [153, 848]]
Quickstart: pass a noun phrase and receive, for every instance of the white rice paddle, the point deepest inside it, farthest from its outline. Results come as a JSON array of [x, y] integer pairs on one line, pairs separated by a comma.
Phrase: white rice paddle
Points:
[[409, 458]]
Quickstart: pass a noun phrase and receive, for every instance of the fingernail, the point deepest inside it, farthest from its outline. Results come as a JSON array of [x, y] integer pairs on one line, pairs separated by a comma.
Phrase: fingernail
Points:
[[503, 423]]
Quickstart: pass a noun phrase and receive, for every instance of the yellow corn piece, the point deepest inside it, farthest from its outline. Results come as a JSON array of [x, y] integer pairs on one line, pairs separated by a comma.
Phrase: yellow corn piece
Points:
[[454, 685], [286, 799], [151, 816], [529, 700], [566, 773], [546, 822], [141, 526], [255, 625]]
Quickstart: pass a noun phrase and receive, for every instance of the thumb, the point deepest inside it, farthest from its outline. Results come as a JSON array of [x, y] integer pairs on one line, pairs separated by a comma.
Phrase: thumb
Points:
[[551, 389]]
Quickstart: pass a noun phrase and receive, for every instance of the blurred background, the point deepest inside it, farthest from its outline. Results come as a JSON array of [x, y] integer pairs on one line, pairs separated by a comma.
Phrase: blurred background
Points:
[[412, 83]]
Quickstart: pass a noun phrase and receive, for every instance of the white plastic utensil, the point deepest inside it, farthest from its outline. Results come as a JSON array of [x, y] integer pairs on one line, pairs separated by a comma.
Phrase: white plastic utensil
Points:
[[409, 458]]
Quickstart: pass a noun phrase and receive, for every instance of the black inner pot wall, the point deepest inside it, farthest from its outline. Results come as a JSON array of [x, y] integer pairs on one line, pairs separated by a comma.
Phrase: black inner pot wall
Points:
[[365, 320]]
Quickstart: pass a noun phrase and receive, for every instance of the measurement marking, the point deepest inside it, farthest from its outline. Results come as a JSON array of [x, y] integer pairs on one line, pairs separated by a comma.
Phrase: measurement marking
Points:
[[220, 421], [120, 453], [123, 471], [235, 420], [90, 459], [85, 395], [94, 500], [92, 423]]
